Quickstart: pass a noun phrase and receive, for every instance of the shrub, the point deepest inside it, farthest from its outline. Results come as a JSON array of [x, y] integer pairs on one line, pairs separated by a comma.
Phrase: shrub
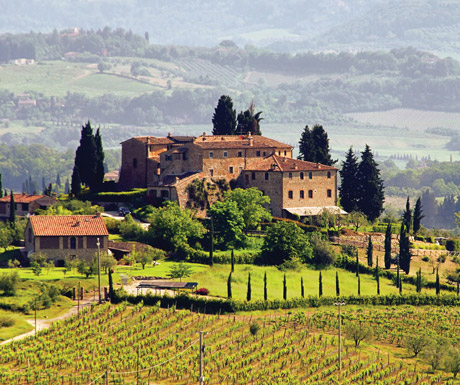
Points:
[[323, 252], [254, 328], [202, 291], [6, 321], [425, 258], [9, 283], [453, 244]]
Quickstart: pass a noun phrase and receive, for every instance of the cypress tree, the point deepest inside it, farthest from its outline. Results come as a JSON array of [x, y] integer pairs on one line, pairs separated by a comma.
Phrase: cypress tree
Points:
[[438, 286], [248, 294], [377, 275], [397, 271], [314, 146], [110, 285], [387, 258], [418, 216], [224, 118], [12, 208], [400, 285], [404, 249], [347, 189], [265, 287], [419, 281], [369, 251], [357, 264], [232, 258], [407, 216], [359, 285], [369, 186], [337, 286], [307, 150], [58, 180], [284, 288], [229, 286], [67, 186], [100, 156], [75, 188], [320, 291], [458, 285], [1, 187], [302, 290], [86, 157]]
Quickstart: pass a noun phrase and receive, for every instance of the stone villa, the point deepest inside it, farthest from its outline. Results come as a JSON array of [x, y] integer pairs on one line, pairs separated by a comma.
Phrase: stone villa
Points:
[[167, 166]]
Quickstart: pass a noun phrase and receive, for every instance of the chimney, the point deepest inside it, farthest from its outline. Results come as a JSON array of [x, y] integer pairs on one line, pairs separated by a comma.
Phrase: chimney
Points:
[[296, 167], [169, 135], [318, 165]]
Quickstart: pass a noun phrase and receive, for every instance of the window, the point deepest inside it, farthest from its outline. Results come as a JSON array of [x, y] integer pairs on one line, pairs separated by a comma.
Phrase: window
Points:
[[301, 175], [266, 176], [225, 154], [253, 175], [290, 194], [164, 193], [310, 175], [134, 163], [25, 207], [230, 170], [329, 193], [257, 153], [310, 193], [168, 157], [302, 194], [73, 243], [184, 156], [211, 171], [279, 152], [290, 175], [329, 174], [211, 154], [240, 154], [264, 153], [285, 153]]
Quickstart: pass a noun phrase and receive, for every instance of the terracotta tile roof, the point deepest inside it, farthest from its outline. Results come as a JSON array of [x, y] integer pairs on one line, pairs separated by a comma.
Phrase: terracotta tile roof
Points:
[[25, 198], [238, 141], [68, 225], [151, 140], [279, 163]]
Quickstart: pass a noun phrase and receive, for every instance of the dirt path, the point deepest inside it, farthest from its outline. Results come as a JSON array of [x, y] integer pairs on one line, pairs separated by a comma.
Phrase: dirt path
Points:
[[46, 323]]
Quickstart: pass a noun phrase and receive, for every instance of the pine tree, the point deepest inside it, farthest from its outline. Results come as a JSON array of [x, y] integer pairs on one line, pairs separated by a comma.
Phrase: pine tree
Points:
[[337, 285], [100, 156], [12, 208], [418, 216], [407, 216], [347, 189], [320, 286], [314, 146], [86, 157], [224, 118], [369, 186], [438, 285], [302, 289], [229, 286], [265, 287], [76, 182], [284, 288], [369, 251], [248, 294], [387, 259]]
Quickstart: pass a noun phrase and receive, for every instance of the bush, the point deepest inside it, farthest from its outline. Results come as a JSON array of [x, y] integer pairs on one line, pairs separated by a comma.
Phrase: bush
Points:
[[6, 321], [453, 244], [425, 258], [9, 283], [254, 328], [202, 291], [324, 254]]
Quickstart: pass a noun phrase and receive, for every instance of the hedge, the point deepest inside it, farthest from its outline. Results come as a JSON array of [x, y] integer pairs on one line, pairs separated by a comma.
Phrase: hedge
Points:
[[453, 244], [219, 305], [122, 197]]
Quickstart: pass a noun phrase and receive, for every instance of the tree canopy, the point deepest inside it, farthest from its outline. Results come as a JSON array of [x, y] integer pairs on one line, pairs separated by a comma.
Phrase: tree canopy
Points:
[[347, 190], [314, 146], [224, 118]]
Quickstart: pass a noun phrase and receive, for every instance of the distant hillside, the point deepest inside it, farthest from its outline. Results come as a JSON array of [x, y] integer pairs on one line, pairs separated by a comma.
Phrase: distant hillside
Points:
[[282, 25]]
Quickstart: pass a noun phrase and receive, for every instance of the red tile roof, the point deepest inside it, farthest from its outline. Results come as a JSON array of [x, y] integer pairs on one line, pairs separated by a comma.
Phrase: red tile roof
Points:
[[25, 198], [68, 225], [238, 141], [279, 163]]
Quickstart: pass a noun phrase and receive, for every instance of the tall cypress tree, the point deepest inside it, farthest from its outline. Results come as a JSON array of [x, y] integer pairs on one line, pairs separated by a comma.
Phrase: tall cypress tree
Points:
[[224, 118], [100, 156], [430, 208], [307, 150], [387, 259], [369, 186], [359, 285], [314, 146], [302, 289], [438, 285], [369, 251], [232, 256], [110, 286], [377, 275], [418, 286], [337, 284], [248, 294], [418, 216], [284, 288], [320, 285], [404, 250], [12, 208], [407, 216], [265, 287], [229, 286], [347, 189], [86, 157]]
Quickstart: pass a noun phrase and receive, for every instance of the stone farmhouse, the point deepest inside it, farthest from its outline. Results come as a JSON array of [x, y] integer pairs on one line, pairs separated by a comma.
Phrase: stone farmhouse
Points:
[[62, 237], [167, 166], [25, 204]]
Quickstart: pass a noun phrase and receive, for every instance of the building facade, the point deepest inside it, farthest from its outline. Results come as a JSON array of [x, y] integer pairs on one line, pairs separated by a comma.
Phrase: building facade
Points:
[[25, 204], [66, 237], [167, 166]]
